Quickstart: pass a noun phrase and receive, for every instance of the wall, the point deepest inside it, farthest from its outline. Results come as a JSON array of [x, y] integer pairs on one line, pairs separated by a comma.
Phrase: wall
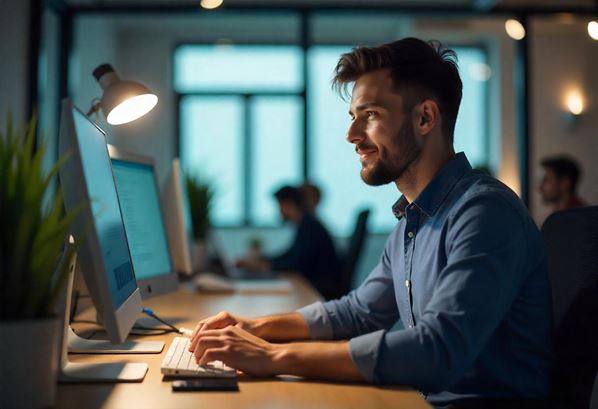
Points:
[[94, 44], [151, 135], [563, 57], [14, 31]]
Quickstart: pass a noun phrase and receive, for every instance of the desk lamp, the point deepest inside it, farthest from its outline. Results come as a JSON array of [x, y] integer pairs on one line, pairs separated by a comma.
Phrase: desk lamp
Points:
[[122, 101]]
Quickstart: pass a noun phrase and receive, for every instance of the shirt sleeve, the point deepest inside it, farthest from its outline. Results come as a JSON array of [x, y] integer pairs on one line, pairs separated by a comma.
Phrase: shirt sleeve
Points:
[[486, 265], [369, 308], [317, 320]]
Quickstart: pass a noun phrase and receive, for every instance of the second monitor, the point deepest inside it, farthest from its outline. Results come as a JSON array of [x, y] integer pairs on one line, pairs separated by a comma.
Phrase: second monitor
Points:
[[178, 219], [139, 197]]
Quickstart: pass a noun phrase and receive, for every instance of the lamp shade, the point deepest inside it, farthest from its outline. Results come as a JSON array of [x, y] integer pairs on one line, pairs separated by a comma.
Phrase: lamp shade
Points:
[[122, 101]]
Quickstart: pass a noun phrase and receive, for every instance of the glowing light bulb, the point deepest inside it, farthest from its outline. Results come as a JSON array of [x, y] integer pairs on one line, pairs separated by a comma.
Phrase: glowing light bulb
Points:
[[575, 103], [131, 109], [593, 29], [514, 29], [210, 4]]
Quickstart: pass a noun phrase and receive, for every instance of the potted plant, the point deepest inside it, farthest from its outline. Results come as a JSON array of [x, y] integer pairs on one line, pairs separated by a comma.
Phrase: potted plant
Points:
[[200, 196], [31, 240]]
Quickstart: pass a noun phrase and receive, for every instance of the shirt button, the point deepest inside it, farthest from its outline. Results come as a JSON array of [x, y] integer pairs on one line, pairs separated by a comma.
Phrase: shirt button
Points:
[[410, 234], [410, 326], [407, 283]]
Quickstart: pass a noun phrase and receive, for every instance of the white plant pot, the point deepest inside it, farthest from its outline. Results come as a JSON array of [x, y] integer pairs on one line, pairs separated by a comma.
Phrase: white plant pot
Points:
[[28, 363]]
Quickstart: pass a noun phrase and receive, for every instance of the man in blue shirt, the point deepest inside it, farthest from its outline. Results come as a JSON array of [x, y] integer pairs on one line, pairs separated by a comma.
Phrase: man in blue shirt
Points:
[[464, 269]]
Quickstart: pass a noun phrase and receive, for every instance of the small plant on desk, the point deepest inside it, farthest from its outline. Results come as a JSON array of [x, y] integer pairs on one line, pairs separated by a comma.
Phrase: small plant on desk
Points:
[[33, 229], [200, 200]]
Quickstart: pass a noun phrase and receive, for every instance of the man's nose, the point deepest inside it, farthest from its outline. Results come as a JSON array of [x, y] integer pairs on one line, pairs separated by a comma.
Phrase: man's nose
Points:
[[355, 132]]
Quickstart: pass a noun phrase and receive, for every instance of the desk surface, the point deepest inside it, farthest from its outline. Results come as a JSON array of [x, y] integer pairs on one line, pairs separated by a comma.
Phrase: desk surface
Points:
[[283, 392]]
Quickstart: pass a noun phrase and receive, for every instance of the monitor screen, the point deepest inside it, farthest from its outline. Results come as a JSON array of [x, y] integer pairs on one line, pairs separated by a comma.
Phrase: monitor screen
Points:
[[105, 209], [140, 204]]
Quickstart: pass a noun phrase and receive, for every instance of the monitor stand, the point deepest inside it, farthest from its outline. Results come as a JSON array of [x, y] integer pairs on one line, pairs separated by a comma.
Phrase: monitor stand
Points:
[[70, 372], [79, 345]]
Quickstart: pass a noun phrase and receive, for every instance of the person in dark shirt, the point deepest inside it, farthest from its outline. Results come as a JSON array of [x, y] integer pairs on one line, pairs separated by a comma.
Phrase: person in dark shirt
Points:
[[559, 183], [312, 252]]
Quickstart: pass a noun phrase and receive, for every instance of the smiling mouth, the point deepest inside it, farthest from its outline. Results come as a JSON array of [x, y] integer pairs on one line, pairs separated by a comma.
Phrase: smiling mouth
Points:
[[365, 153]]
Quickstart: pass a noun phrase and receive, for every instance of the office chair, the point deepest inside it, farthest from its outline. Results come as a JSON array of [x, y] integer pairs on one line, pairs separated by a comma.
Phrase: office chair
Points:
[[354, 250], [571, 238]]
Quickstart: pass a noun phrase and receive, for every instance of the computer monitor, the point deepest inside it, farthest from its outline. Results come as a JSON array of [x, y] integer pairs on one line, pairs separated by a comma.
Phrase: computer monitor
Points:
[[103, 254], [178, 219], [138, 193]]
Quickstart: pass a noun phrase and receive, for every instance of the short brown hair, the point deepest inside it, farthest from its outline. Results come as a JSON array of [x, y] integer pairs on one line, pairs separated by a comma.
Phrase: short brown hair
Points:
[[291, 194], [419, 70]]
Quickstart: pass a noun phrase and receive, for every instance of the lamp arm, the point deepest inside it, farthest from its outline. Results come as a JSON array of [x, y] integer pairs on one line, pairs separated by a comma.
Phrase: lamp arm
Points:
[[95, 107]]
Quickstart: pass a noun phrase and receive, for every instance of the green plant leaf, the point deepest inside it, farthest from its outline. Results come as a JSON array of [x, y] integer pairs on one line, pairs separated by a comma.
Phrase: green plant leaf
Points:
[[200, 196], [31, 238]]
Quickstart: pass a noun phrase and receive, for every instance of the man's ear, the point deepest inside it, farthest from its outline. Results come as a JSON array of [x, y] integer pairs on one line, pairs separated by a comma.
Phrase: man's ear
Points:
[[427, 116]]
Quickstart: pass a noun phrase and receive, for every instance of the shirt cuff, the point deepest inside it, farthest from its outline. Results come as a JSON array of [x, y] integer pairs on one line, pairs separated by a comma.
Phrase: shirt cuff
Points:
[[318, 320], [364, 351]]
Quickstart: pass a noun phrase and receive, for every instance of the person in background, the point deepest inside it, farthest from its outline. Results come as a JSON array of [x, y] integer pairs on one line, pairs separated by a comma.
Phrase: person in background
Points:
[[312, 252], [311, 196], [559, 183]]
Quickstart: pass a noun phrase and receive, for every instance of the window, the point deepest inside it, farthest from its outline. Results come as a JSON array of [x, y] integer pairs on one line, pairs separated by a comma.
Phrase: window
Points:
[[241, 129], [277, 127], [244, 132], [216, 68], [212, 147], [470, 129]]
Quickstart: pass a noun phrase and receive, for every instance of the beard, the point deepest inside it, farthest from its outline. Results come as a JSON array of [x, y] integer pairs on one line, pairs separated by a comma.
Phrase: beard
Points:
[[394, 161]]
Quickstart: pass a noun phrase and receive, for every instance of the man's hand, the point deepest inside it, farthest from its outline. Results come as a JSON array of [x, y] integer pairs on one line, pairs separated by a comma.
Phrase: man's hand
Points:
[[238, 349], [241, 350], [221, 320], [277, 328]]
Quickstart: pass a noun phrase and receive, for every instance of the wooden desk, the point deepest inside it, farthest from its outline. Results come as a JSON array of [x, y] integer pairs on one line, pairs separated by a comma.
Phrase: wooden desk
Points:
[[284, 392]]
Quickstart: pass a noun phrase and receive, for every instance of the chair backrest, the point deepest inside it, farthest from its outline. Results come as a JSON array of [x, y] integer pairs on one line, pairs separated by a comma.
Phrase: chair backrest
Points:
[[354, 249], [571, 238]]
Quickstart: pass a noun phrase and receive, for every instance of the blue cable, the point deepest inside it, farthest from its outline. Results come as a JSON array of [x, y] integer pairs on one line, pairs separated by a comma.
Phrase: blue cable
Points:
[[150, 312]]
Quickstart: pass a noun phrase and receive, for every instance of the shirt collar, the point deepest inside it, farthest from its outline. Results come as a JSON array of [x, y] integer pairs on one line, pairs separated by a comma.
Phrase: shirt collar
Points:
[[434, 193]]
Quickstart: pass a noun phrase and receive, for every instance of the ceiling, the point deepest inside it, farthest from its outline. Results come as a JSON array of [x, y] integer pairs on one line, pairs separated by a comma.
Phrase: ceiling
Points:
[[484, 4]]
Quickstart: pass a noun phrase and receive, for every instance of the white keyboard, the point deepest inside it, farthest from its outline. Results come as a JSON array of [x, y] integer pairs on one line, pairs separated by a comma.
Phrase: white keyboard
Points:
[[180, 362]]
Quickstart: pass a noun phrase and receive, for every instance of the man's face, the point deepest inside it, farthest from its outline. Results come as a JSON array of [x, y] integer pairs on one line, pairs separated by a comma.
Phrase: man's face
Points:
[[286, 208], [382, 134], [551, 187]]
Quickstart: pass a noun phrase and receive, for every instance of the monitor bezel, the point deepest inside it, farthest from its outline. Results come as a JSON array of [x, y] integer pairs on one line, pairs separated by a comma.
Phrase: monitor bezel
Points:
[[165, 282], [117, 322]]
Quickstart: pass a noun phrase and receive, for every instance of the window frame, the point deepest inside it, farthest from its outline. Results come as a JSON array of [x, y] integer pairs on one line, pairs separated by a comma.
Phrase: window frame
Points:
[[247, 187]]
